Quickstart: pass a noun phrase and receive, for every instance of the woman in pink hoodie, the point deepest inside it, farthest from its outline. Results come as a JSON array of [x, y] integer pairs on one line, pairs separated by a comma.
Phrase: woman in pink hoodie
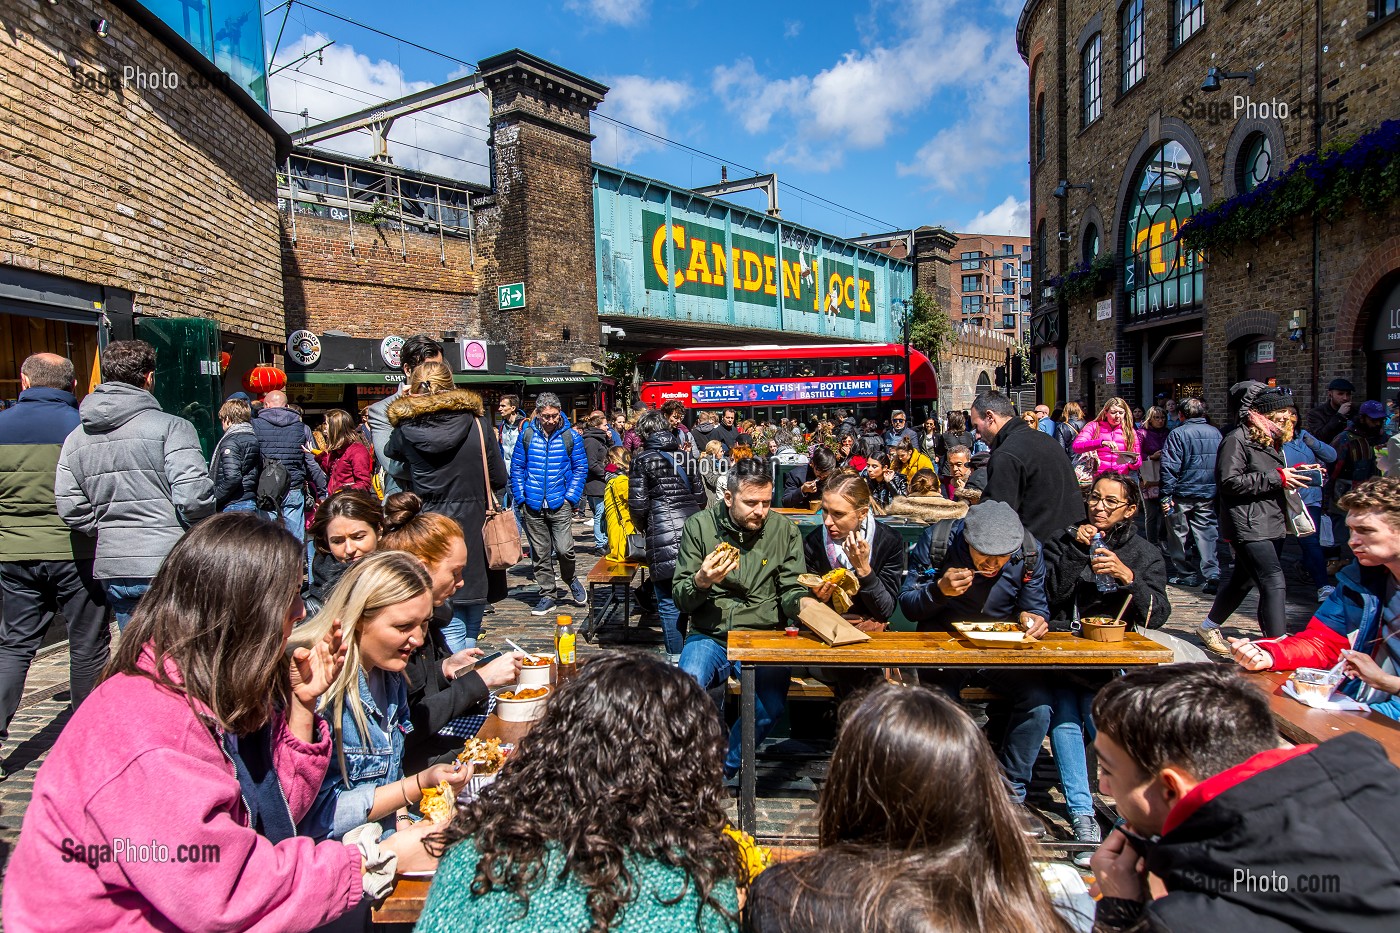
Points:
[[1112, 438], [170, 799]]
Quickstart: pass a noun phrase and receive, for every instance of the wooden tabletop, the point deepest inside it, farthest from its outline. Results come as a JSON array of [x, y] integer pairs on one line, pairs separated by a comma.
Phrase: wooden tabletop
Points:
[[942, 649], [497, 728], [1302, 724], [404, 903]]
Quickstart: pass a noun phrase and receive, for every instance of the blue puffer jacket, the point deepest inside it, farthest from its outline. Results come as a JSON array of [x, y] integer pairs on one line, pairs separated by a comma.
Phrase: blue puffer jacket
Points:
[[282, 436], [550, 470], [1188, 461]]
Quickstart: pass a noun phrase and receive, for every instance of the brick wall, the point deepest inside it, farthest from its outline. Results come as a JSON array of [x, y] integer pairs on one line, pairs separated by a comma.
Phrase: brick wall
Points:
[[168, 193], [1360, 80], [387, 285]]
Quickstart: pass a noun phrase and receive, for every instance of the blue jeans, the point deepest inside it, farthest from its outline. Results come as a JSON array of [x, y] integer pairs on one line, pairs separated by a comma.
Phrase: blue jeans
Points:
[[708, 662], [122, 595], [243, 505], [465, 627], [294, 513], [600, 533], [1070, 721], [1313, 559], [1032, 699], [670, 617]]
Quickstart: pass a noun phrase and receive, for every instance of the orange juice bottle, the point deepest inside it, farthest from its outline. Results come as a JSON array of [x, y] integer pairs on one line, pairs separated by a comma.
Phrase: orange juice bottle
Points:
[[564, 641]]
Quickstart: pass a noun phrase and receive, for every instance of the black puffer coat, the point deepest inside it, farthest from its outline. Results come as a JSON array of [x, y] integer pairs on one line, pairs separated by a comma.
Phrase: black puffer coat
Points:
[[1247, 481], [439, 438], [1069, 579], [596, 444], [660, 500], [235, 466]]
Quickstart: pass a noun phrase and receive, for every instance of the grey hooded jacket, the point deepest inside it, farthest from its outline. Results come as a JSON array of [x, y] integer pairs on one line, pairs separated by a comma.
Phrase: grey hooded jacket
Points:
[[133, 476]]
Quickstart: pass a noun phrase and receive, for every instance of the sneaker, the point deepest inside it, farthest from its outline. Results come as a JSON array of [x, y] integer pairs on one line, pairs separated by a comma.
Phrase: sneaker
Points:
[[577, 594], [1184, 579], [1214, 641], [1086, 829], [1031, 824], [545, 606], [1323, 592], [1212, 586]]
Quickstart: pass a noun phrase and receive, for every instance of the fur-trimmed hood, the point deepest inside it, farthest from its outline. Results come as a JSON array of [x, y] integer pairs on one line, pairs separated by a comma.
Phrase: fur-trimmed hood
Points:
[[926, 508], [408, 407]]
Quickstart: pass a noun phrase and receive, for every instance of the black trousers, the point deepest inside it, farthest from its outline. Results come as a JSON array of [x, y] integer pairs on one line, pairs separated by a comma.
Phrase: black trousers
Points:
[[33, 589], [1256, 565]]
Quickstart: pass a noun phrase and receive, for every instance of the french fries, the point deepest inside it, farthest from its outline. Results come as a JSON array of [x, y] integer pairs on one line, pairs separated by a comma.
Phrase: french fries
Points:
[[438, 803]]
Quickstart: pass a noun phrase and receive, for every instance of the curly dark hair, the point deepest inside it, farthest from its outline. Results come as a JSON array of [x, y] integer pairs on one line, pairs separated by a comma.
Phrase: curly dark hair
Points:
[[626, 762]]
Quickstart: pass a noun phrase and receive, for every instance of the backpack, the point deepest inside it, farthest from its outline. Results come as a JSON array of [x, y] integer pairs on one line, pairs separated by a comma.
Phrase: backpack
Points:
[[273, 485], [942, 534]]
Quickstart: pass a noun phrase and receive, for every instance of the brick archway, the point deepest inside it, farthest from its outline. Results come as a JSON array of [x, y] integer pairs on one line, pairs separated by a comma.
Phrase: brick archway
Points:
[[1381, 262]]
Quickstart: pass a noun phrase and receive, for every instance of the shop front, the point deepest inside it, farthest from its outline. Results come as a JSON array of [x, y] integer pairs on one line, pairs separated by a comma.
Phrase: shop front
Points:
[[46, 314], [1383, 345]]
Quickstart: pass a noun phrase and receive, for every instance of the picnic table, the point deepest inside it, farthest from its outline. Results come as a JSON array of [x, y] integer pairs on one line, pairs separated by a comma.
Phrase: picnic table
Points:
[[1057, 650], [1301, 724]]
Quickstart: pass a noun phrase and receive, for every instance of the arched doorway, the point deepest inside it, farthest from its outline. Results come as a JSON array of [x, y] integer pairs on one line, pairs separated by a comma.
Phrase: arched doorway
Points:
[[1254, 359], [1092, 384], [1383, 342], [984, 382]]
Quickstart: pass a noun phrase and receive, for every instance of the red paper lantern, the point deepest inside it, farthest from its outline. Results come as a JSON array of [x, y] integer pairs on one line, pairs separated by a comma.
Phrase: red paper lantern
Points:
[[224, 359], [263, 379]]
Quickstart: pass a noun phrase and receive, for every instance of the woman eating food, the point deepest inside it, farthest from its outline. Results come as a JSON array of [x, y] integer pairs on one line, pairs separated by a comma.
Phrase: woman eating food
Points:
[[1112, 438], [443, 688], [384, 604], [580, 832], [850, 539], [203, 733]]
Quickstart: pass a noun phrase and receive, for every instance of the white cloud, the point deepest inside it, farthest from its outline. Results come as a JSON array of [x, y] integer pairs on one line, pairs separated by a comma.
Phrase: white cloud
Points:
[[646, 103], [451, 138], [1011, 217], [619, 12], [862, 99], [792, 28]]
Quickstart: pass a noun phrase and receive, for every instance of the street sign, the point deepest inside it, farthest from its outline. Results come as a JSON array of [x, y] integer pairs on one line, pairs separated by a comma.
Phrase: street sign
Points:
[[510, 297], [1126, 374], [1110, 368]]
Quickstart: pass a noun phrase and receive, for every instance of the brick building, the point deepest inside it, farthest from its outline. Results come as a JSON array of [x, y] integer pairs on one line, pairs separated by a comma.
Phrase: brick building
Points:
[[138, 178], [1126, 145], [992, 282]]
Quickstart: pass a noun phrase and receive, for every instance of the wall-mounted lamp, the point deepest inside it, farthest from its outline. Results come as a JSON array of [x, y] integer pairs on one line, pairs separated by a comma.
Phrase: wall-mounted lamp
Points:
[[1063, 188], [101, 27], [1214, 76]]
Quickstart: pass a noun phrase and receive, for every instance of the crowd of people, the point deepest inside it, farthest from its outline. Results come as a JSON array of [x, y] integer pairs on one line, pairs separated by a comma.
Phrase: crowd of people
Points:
[[297, 665]]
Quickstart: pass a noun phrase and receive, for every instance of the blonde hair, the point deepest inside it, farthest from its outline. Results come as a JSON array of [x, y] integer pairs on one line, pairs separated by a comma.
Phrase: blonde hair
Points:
[[430, 377], [1074, 411], [1128, 428], [373, 584], [714, 449]]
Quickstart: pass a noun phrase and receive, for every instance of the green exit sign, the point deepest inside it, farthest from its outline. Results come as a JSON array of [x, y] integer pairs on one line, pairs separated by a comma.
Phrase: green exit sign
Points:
[[509, 297]]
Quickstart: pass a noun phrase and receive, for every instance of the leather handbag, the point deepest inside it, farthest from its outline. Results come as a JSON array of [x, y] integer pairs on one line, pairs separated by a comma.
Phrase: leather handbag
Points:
[[636, 551], [499, 534]]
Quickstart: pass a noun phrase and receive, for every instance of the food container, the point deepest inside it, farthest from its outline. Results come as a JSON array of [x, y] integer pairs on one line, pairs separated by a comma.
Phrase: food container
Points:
[[1101, 628], [514, 710], [536, 675], [1315, 683], [992, 634]]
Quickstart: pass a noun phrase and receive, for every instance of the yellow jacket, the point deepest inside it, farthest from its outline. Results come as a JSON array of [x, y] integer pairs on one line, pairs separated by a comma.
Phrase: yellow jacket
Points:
[[917, 461], [617, 516]]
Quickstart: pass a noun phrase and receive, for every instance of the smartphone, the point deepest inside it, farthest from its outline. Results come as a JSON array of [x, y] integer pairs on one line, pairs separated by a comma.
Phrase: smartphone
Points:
[[480, 662]]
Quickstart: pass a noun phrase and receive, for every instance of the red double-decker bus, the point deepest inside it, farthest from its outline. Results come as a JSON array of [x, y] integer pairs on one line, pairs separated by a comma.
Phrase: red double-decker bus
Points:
[[768, 383]]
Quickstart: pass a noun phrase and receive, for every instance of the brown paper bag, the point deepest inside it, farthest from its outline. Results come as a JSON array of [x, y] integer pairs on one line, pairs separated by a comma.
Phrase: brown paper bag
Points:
[[829, 626]]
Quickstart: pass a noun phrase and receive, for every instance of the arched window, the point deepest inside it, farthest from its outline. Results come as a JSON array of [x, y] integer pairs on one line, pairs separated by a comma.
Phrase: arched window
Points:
[[984, 382], [1256, 162], [1091, 242], [1159, 277], [1040, 129]]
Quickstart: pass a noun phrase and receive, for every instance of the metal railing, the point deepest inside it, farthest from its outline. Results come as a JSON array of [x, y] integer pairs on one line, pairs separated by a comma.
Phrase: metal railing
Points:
[[339, 191]]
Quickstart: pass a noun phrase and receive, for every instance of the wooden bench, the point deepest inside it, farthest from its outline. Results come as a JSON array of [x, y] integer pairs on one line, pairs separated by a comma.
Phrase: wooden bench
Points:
[[609, 589]]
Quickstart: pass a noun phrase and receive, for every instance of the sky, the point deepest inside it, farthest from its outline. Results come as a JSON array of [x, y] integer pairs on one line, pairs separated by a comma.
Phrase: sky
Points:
[[901, 113]]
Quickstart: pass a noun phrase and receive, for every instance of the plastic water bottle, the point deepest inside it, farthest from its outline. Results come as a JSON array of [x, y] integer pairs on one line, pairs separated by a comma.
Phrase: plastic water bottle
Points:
[[1104, 581]]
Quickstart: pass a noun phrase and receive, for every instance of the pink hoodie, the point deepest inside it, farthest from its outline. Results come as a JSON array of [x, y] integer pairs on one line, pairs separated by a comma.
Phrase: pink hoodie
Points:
[[1091, 440], [135, 764]]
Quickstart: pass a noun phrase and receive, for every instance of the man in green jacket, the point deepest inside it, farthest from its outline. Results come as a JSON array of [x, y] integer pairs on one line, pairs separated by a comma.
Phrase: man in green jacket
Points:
[[754, 588]]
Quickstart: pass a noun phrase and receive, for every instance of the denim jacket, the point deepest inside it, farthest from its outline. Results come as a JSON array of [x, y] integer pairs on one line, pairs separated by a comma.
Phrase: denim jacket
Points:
[[371, 761]]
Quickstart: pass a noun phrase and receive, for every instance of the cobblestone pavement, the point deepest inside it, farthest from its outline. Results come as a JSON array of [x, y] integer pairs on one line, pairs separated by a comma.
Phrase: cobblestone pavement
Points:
[[788, 786]]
